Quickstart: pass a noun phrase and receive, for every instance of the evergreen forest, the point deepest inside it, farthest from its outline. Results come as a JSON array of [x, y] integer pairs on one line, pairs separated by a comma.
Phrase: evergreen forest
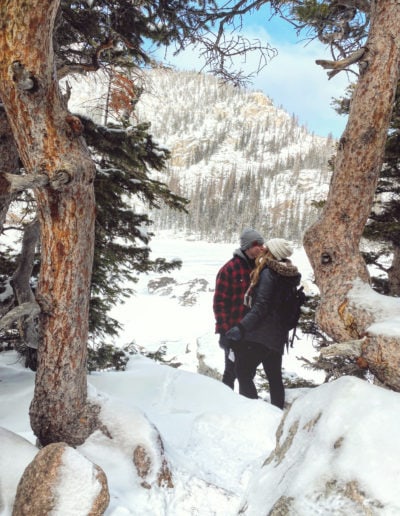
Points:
[[236, 157]]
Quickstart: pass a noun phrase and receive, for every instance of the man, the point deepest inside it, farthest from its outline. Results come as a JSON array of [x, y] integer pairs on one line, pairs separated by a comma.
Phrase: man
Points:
[[233, 279]]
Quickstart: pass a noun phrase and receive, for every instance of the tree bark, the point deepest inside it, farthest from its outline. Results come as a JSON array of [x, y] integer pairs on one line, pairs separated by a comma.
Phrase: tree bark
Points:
[[48, 144], [9, 163], [394, 273], [27, 326], [332, 243]]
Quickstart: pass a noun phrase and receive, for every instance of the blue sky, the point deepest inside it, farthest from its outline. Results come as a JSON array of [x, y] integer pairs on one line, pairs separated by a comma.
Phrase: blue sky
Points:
[[294, 81], [291, 79]]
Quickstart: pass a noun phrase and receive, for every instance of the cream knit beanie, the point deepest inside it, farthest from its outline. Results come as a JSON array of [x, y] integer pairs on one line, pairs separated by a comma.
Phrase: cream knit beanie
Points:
[[280, 248]]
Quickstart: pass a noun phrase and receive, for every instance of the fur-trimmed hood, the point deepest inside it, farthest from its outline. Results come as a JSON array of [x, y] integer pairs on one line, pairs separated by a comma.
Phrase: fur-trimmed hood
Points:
[[283, 268]]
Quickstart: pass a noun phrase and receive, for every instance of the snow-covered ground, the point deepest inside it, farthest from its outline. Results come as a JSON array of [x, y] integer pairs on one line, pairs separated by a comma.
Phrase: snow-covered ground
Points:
[[163, 318], [337, 451]]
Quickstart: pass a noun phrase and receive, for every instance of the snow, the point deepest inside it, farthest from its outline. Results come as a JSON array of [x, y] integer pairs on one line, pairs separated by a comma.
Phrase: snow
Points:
[[200, 420], [7, 292], [76, 471], [15, 452], [386, 309], [336, 449], [208, 147], [353, 436], [188, 330]]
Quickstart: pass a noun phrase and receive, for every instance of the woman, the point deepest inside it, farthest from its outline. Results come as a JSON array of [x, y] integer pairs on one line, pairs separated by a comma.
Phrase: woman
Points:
[[261, 334]]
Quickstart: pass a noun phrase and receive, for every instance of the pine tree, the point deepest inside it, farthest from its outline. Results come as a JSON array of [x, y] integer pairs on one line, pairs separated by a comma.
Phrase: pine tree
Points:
[[124, 155], [384, 221]]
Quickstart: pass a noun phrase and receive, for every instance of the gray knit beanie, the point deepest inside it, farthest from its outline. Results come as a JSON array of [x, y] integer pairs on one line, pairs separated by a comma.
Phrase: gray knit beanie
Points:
[[248, 237], [280, 248]]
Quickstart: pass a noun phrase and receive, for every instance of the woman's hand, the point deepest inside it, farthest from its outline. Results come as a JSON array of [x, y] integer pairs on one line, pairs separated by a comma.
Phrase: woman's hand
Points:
[[235, 333]]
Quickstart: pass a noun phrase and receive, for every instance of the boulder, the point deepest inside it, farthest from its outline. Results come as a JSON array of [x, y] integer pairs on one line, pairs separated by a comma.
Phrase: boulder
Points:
[[61, 481]]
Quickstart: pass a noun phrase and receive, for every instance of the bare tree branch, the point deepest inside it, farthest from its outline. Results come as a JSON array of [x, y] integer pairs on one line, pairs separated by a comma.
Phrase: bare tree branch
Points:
[[13, 183], [362, 5], [342, 64], [219, 58], [81, 69], [9, 162], [30, 310]]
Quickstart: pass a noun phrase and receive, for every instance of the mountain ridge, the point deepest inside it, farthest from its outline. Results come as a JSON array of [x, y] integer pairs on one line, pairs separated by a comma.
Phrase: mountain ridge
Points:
[[229, 146], [238, 159]]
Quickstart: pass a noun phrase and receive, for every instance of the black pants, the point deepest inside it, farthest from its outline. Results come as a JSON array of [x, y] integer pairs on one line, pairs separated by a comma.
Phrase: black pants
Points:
[[229, 376], [248, 356]]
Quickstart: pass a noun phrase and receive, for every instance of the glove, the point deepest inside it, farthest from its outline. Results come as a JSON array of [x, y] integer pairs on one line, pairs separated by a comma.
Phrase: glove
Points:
[[234, 333], [224, 342]]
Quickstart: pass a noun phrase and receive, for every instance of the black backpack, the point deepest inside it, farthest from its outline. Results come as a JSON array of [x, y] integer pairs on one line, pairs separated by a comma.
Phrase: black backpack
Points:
[[290, 309], [291, 299]]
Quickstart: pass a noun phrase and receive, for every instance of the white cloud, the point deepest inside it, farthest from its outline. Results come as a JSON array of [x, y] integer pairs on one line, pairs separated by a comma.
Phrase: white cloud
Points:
[[291, 79]]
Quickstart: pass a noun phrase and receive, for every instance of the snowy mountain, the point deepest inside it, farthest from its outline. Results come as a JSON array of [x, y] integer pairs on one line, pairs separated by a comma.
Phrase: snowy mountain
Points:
[[238, 158]]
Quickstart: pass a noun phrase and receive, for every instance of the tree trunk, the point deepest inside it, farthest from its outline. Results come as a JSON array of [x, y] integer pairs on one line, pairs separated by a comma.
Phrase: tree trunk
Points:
[[9, 162], [394, 273], [20, 281], [332, 243], [49, 143]]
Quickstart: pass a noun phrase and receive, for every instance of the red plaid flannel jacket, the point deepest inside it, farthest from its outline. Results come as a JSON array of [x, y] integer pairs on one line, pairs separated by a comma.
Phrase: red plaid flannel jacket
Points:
[[233, 279]]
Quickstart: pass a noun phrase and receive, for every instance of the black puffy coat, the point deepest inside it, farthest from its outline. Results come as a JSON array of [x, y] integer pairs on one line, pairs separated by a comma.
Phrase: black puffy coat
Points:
[[263, 323]]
